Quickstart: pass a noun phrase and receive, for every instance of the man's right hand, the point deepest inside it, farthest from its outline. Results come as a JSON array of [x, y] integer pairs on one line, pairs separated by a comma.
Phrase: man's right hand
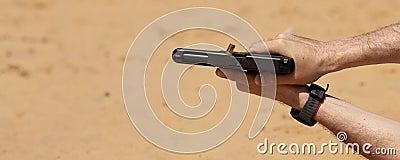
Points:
[[311, 58]]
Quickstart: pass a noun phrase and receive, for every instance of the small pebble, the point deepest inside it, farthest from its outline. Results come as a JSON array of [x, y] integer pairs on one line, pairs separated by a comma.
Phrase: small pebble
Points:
[[107, 94]]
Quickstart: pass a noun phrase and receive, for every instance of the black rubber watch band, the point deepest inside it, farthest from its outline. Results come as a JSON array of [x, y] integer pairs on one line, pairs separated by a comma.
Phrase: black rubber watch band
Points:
[[295, 114], [315, 98]]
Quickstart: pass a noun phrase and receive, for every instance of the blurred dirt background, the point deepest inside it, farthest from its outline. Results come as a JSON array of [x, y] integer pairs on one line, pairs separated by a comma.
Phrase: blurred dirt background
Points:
[[61, 66]]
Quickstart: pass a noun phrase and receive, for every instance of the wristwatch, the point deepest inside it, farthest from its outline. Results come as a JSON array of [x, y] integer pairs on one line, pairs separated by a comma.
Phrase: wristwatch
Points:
[[315, 98]]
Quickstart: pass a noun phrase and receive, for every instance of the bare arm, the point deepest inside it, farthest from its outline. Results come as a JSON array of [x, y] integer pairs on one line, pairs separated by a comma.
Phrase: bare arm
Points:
[[336, 115], [361, 126], [380, 46], [314, 58]]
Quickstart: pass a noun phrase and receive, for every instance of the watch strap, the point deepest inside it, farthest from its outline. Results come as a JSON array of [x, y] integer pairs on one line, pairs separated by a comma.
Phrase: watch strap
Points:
[[315, 99]]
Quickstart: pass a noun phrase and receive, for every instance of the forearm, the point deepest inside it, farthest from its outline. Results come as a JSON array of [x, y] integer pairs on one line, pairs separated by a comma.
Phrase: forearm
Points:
[[380, 46], [361, 126]]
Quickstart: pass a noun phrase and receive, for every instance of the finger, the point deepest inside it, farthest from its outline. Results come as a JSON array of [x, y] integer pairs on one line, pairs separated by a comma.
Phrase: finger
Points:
[[264, 80], [258, 47], [237, 75], [243, 87], [269, 38], [219, 73], [253, 89], [264, 91], [255, 47], [249, 79], [277, 46], [288, 30], [292, 95], [285, 79]]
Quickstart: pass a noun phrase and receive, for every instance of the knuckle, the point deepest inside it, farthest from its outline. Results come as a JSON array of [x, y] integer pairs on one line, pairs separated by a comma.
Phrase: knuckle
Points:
[[268, 39], [283, 35], [281, 41]]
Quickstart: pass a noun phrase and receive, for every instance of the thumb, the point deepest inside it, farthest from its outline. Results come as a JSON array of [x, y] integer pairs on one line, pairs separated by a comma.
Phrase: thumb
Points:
[[258, 47], [277, 46]]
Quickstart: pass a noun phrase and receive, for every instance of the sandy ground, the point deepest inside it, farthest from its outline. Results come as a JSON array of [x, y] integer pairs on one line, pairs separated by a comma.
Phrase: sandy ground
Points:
[[61, 65]]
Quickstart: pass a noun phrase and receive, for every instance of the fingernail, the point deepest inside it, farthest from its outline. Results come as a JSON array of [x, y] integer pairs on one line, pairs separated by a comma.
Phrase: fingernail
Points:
[[219, 73]]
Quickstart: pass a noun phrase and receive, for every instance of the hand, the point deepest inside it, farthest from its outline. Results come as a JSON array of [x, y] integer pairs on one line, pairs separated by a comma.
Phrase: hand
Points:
[[292, 95], [310, 56]]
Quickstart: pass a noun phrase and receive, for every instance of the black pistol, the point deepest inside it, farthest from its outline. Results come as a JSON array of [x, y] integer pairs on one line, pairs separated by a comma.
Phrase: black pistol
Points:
[[235, 60]]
